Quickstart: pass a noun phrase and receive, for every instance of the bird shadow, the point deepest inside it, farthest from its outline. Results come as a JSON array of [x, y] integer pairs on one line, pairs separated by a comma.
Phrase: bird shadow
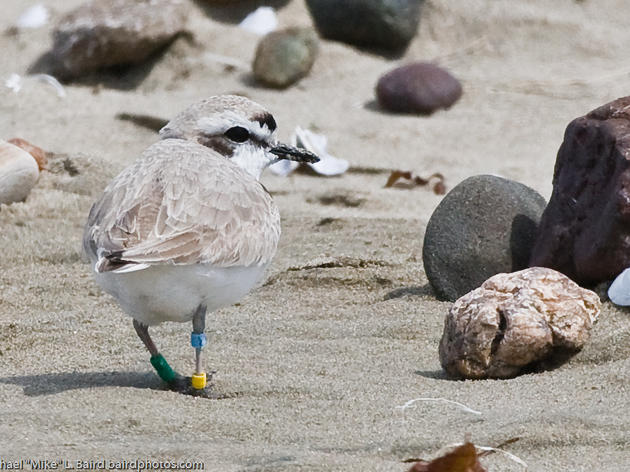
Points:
[[51, 384]]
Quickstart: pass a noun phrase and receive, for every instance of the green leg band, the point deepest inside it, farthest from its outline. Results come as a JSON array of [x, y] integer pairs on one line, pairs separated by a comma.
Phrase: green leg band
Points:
[[163, 369]]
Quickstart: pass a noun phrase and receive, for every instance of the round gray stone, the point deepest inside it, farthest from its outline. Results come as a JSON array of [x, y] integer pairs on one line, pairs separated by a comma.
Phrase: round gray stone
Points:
[[486, 225], [387, 24]]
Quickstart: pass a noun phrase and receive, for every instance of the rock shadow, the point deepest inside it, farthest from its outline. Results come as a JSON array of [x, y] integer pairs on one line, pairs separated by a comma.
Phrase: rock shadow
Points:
[[125, 77], [414, 291], [434, 374], [522, 239]]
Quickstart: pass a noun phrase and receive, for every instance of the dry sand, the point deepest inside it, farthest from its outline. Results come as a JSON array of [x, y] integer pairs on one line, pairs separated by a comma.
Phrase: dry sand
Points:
[[314, 364]]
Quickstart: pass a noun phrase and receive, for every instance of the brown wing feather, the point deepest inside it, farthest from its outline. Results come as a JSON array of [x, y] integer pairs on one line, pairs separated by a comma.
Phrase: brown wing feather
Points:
[[182, 203]]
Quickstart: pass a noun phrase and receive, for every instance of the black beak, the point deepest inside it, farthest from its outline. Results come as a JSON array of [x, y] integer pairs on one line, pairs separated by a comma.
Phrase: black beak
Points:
[[293, 153]]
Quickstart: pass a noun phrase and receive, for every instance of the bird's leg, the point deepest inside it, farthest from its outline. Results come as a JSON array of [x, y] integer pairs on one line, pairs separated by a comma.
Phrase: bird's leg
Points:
[[143, 333], [198, 341], [164, 370]]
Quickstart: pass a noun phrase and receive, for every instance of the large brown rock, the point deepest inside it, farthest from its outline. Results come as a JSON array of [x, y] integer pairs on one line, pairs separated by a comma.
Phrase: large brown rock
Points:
[[514, 321], [585, 229], [102, 34]]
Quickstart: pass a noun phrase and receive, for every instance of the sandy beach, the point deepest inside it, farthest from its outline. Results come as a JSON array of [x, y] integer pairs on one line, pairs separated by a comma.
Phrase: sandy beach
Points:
[[315, 366]]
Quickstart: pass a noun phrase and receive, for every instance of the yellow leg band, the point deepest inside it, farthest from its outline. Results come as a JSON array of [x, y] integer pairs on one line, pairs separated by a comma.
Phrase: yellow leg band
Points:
[[198, 381]]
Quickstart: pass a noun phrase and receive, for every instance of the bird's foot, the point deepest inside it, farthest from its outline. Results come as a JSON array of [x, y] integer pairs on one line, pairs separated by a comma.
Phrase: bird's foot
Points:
[[183, 385]]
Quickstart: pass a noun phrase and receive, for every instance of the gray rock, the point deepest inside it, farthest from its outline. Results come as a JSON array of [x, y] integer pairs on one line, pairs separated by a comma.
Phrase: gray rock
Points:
[[283, 57], [514, 321], [418, 88], [484, 226], [102, 34], [387, 24]]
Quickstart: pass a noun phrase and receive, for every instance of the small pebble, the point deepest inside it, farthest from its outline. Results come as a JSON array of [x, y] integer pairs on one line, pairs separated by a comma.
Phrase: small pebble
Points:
[[18, 173], [514, 321], [283, 57], [417, 88]]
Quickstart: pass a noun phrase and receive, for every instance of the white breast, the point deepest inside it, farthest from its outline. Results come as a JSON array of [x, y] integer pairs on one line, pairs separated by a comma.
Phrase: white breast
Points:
[[173, 292]]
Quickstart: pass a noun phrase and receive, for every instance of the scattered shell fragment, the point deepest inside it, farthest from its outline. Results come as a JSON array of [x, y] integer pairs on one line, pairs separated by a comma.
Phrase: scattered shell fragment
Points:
[[514, 321], [619, 291], [38, 153], [33, 17], [328, 164], [18, 173], [50, 80], [261, 21], [15, 82]]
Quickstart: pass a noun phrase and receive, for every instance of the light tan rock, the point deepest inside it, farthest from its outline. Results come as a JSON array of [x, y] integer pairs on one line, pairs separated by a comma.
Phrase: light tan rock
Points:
[[18, 173], [284, 57], [102, 34], [515, 320]]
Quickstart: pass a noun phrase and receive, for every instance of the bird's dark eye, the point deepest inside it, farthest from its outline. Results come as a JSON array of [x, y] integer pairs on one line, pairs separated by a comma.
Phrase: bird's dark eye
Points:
[[238, 134]]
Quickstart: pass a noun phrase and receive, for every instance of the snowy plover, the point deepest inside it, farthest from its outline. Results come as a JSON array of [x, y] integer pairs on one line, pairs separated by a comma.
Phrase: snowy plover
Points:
[[187, 228]]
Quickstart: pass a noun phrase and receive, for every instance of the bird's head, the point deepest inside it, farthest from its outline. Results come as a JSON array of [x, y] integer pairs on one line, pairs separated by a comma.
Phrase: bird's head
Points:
[[236, 128]]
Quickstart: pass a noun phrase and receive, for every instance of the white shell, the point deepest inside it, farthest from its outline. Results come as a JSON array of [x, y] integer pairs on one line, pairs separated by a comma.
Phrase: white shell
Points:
[[14, 82], [33, 17], [261, 21], [18, 173], [328, 164], [284, 167], [619, 291], [316, 143]]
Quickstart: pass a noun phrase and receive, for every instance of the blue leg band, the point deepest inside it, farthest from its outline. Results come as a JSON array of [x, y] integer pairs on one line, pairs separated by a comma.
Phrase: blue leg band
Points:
[[198, 340]]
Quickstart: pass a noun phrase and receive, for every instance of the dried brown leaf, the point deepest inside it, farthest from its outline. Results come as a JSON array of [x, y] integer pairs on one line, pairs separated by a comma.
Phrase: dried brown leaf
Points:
[[461, 459], [406, 179]]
